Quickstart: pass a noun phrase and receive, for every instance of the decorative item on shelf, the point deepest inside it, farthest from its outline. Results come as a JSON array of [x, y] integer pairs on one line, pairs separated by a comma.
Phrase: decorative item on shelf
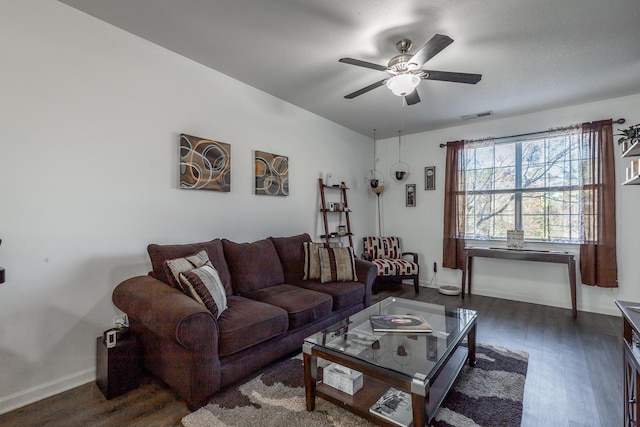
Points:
[[430, 178], [515, 239], [113, 336], [400, 170], [628, 135], [342, 230], [411, 195]]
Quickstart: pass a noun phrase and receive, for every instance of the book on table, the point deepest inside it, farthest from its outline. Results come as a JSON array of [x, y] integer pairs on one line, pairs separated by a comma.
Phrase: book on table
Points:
[[399, 323], [394, 406]]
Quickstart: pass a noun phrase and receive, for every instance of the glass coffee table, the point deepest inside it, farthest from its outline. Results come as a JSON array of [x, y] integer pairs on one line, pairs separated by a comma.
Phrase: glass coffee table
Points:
[[424, 365]]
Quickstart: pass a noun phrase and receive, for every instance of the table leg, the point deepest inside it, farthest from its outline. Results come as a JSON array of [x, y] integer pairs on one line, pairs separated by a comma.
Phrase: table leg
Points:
[[471, 343], [572, 283], [469, 263], [310, 377], [464, 273], [419, 405]]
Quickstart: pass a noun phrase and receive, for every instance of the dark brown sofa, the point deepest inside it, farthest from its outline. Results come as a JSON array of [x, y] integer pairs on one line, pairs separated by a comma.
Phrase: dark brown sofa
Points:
[[271, 309]]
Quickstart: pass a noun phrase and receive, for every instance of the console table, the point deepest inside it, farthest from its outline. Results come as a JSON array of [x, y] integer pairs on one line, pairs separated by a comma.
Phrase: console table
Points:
[[521, 255]]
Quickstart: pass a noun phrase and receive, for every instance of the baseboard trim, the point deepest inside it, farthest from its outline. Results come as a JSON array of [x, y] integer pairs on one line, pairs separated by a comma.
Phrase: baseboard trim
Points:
[[611, 311], [42, 391]]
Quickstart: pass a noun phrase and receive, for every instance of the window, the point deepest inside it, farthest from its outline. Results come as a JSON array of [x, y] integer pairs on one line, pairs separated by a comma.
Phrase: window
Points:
[[533, 184]]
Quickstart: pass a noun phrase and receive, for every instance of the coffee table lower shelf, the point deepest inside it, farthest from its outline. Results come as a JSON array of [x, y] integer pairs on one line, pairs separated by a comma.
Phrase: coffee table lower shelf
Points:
[[373, 389]]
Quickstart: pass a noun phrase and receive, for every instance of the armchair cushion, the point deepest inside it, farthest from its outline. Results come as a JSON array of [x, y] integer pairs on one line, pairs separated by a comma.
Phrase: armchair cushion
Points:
[[382, 247]]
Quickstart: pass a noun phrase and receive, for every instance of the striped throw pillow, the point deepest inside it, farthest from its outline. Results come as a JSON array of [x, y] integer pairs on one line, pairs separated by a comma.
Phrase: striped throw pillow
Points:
[[204, 285], [337, 265], [174, 267], [312, 259]]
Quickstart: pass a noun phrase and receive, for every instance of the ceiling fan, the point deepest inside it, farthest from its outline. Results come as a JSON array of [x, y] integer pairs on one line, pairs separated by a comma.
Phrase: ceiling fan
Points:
[[406, 70]]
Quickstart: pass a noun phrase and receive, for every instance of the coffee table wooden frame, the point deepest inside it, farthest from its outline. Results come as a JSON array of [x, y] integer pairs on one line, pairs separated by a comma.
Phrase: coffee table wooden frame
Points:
[[426, 396]]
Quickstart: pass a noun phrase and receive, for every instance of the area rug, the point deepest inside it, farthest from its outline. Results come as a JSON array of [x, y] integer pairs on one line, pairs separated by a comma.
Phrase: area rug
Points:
[[490, 394]]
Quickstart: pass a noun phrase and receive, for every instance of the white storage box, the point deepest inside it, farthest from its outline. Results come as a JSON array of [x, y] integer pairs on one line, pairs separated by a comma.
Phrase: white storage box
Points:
[[344, 379]]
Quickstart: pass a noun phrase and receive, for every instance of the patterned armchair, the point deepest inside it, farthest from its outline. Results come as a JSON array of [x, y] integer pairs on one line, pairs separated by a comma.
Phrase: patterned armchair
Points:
[[386, 253]]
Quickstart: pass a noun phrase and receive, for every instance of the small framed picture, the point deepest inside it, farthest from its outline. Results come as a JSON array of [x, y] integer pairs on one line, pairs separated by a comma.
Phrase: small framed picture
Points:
[[411, 195], [430, 178]]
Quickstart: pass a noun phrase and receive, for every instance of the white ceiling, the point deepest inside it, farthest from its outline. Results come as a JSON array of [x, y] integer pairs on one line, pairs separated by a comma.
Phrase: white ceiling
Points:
[[533, 54]]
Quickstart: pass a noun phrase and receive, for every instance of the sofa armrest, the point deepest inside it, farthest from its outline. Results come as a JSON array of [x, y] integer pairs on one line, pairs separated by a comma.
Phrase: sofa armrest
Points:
[[414, 255], [167, 312], [366, 272]]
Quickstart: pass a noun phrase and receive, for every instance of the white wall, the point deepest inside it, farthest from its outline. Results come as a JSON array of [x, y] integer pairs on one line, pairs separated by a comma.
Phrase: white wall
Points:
[[421, 227], [89, 120]]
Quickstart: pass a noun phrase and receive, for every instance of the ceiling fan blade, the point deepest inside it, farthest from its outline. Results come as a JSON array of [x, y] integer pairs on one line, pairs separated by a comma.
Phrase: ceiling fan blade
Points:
[[447, 76], [365, 89], [412, 98], [430, 49], [365, 64]]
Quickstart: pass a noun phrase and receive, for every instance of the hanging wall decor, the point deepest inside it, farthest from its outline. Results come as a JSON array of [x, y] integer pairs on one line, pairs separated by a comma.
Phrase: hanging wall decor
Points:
[[272, 174], [204, 164], [430, 178], [411, 195], [400, 170]]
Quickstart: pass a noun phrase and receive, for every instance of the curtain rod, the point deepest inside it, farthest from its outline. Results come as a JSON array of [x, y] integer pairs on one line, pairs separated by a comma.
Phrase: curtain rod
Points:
[[619, 122]]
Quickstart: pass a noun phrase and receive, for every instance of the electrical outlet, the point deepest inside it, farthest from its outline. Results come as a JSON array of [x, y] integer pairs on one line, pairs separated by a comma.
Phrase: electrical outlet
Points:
[[435, 267], [121, 320]]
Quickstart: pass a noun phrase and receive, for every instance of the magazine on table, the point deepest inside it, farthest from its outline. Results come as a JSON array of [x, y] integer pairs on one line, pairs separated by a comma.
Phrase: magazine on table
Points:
[[399, 323], [394, 406]]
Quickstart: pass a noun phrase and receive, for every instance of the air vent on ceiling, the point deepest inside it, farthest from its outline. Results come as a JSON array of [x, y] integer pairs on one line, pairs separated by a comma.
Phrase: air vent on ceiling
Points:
[[478, 115]]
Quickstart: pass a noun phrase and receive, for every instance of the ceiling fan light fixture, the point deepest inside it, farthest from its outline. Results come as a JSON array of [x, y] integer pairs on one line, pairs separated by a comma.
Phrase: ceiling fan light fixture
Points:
[[403, 84]]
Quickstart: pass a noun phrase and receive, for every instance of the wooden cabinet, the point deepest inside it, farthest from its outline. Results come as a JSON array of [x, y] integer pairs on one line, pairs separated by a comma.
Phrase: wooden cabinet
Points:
[[335, 212], [117, 368], [631, 362]]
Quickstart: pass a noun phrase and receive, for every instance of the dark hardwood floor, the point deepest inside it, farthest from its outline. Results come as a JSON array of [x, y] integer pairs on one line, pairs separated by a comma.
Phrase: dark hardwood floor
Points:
[[574, 376]]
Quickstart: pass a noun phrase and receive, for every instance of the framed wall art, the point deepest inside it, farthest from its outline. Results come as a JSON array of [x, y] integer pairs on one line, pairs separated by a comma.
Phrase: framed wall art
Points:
[[205, 164], [430, 178], [411, 195], [272, 174]]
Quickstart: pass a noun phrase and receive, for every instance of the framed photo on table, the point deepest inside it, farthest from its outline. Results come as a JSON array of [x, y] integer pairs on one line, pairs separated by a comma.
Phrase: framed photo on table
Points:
[[430, 178]]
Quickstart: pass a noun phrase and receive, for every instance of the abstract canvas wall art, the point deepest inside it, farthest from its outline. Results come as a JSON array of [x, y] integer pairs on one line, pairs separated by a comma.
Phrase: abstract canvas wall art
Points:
[[204, 164], [272, 174]]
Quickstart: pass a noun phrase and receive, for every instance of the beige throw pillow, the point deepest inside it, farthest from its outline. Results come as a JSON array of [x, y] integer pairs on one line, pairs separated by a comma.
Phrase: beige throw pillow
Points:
[[204, 285], [312, 259], [180, 265], [337, 265]]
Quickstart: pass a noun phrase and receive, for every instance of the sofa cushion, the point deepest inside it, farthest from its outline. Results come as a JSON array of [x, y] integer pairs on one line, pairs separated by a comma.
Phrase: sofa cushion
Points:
[[160, 253], [291, 253], [337, 265], [303, 306], [173, 267], [247, 322], [344, 294], [203, 284], [252, 265], [312, 269]]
